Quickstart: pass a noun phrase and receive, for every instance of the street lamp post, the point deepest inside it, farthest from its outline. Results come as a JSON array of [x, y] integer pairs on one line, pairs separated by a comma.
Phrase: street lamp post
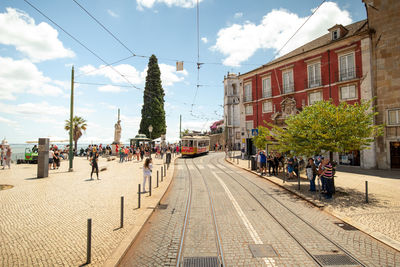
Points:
[[150, 130]]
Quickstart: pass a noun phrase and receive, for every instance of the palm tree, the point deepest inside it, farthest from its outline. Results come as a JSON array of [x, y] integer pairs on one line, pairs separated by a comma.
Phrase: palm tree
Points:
[[78, 124]]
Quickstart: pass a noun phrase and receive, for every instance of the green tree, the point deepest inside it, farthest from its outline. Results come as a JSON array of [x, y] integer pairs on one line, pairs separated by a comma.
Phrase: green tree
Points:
[[78, 125], [185, 132], [153, 112], [262, 139], [326, 127]]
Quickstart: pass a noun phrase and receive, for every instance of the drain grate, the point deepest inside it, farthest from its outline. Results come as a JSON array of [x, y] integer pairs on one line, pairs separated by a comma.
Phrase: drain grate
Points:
[[201, 262], [262, 250], [162, 206], [332, 259], [346, 226]]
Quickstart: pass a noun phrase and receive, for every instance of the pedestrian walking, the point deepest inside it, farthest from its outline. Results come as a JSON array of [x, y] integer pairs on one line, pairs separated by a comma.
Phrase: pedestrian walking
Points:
[[311, 171], [51, 157], [8, 157], [147, 169], [263, 163], [94, 163], [56, 159], [327, 173]]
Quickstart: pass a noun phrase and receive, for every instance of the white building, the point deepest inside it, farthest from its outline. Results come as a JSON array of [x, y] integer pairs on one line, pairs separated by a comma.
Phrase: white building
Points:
[[232, 110]]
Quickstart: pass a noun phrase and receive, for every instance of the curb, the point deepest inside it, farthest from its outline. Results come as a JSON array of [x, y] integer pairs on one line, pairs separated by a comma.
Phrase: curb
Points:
[[394, 244], [120, 251]]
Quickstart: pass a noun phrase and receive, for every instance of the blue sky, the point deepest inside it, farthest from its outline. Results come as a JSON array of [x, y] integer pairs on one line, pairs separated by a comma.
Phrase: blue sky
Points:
[[236, 36]]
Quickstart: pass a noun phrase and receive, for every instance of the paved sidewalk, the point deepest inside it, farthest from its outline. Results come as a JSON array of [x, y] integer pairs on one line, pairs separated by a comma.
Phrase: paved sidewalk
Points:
[[379, 218], [44, 221]]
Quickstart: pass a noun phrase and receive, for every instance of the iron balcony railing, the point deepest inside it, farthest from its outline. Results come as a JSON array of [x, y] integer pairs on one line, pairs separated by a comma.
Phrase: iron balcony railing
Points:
[[313, 83], [347, 74], [288, 88], [266, 94], [247, 98]]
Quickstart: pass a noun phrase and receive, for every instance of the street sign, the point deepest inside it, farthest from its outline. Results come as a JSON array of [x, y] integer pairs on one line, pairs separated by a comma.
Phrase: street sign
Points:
[[254, 132]]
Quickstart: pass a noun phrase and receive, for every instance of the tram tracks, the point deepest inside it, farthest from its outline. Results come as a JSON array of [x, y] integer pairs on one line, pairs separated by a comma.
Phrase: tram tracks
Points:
[[186, 261], [316, 258]]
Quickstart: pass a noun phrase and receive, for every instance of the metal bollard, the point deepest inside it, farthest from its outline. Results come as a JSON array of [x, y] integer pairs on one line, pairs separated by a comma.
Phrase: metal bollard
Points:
[[139, 192], [157, 178], [161, 175], [122, 212], [366, 191], [238, 160], [248, 164], [150, 187], [298, 181], [165, 170], [89, 242], [162, 172]]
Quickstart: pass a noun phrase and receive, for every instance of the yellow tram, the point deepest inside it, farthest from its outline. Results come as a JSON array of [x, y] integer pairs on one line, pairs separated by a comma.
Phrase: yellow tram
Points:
[[195, 145]]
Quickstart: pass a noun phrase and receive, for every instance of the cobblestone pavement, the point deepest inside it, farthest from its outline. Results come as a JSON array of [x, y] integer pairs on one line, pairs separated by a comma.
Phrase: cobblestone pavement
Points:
[[250, 212], [379, 217], [44, 221]]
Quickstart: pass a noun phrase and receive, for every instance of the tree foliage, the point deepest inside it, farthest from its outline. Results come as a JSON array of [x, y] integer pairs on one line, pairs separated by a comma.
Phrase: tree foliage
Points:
[[326, 127], [262, 139], [78, 125], [153, 112]]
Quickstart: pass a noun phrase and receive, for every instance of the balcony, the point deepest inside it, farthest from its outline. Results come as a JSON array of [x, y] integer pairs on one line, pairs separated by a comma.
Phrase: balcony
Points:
[[313, 83], [247, 98], [267, 94], [347, 74], [288, 88]]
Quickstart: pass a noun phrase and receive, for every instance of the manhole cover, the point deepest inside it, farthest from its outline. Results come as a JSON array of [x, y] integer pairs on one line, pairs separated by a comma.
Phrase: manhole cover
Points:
[[5, 186], [262, 250], [162, 206], [332, 259], [346, 226], [201, 262]]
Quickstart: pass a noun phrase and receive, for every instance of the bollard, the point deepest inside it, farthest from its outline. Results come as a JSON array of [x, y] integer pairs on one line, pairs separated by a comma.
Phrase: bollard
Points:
[[89, 241], [298, 181], [238, 160], [122, 212], [139, 196], [157, 178], [162, 173], [366, 191], [165, 170], [150, 187], [248, 164]]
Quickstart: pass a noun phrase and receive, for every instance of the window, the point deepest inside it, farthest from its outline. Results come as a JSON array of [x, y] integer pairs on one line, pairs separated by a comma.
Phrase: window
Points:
[[249, 125], [348, 92], [314, 97], [314, 75], [346, 68], [234, 90], [287, 77], [267, 106], [394, 117], [335, 34], [266, 87], [249, 109], [247, 92]]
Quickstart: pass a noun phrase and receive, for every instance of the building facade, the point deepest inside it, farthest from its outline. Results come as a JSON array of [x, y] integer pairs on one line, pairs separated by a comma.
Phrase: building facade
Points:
[[232, 110], [384, 27], [335, 66]]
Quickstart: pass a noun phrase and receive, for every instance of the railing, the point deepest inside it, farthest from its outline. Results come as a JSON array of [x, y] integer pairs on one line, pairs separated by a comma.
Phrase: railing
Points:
[[266, 94], [247, 98], [313, 83], [288, 88], [347, 74]]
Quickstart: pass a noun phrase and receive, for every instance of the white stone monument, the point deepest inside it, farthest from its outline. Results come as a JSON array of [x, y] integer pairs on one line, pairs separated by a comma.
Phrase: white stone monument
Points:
[[117, 136]]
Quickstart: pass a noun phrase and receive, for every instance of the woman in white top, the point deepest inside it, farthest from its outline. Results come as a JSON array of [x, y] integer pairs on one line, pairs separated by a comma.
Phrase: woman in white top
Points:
[[147, 168]]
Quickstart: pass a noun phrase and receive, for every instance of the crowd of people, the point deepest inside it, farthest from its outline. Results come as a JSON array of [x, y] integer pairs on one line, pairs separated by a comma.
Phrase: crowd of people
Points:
[[317, 166], [5, 156]]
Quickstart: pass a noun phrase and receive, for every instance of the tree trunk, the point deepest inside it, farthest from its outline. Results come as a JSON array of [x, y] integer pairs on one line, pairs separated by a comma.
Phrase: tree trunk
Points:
[[330, 155], [76, 147]]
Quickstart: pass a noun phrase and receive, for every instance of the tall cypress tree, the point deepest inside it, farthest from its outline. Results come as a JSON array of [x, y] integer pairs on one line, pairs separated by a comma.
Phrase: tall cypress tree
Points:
[[153, 112]]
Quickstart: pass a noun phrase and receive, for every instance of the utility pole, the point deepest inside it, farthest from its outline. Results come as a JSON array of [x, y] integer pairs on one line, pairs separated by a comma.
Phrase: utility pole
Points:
[[71, 117], [180, 126]]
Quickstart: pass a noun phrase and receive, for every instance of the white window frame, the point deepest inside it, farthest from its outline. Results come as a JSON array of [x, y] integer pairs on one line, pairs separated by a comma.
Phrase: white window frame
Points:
[[247, 124], [348, 74], [247, 92], [288, 88], [312, 102], [397, 112], [267, 110], [266, 90], [316, 73], [348, 98], [248, 109]]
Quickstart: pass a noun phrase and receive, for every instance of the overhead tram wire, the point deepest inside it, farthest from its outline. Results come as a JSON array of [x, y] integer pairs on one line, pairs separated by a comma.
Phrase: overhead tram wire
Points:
[[198, 55], [105, 66]]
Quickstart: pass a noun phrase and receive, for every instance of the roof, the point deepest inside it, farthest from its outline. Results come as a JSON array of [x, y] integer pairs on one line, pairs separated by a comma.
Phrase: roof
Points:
[[353, 29]]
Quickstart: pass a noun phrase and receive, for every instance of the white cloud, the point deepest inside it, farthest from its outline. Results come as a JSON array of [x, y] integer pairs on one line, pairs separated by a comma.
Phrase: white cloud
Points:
[[111, 89], [196, 125], [41, 109], [20, 76], [7, 121], [204, 40], [169, 75], [112, 13], [239, 42], [108, 106], [38, 41], [178, 3], [238, 15]]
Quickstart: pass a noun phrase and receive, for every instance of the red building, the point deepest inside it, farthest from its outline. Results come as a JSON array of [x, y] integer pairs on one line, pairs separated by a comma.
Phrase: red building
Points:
[[334, 66]]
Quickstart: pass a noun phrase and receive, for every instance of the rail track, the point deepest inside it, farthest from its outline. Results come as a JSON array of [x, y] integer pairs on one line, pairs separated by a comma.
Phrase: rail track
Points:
[[351, 260]]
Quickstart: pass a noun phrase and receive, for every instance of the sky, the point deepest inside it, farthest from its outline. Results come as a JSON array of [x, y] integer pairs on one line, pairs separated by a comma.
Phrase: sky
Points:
[[36, 58]]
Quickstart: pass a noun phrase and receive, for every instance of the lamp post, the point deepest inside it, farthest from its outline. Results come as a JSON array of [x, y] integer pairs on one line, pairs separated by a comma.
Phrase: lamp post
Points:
[[150, 130]]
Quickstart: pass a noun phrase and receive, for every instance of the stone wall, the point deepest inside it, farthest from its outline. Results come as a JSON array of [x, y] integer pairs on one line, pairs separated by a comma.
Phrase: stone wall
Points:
[[384, 23], [217, 138]]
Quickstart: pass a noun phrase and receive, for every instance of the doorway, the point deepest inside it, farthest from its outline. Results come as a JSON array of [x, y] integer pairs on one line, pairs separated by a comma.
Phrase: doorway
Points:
[[395, 155]]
